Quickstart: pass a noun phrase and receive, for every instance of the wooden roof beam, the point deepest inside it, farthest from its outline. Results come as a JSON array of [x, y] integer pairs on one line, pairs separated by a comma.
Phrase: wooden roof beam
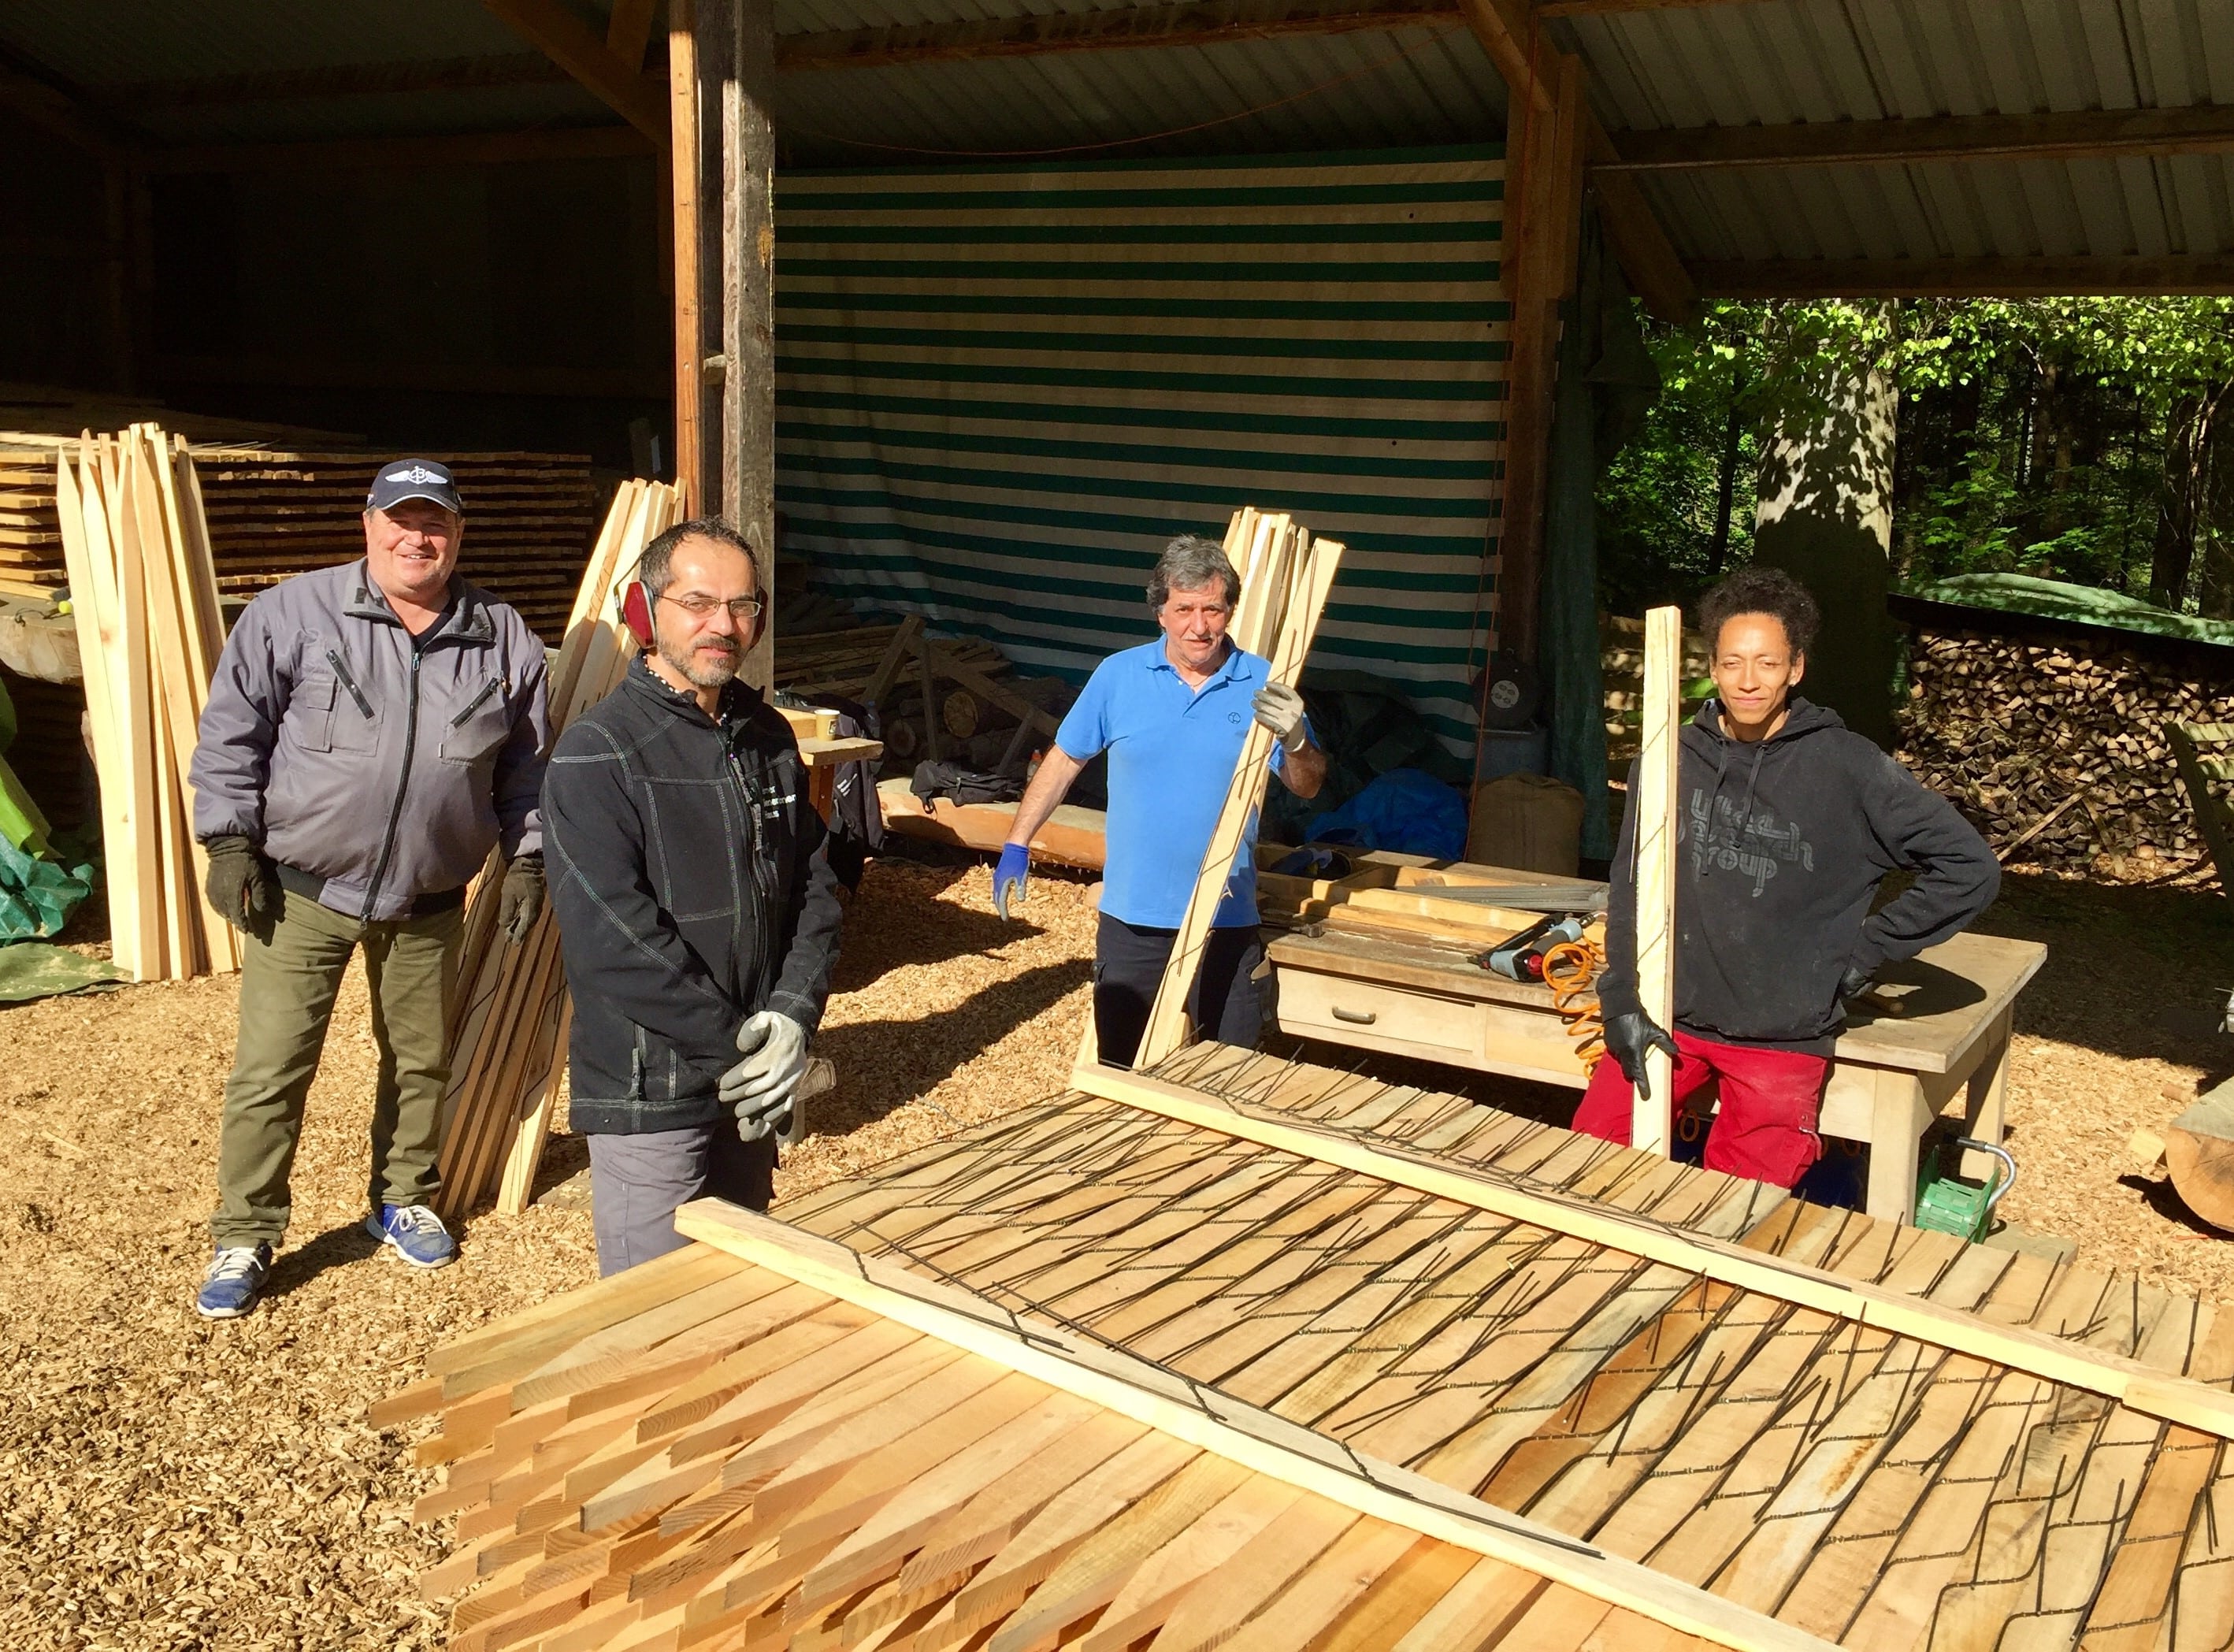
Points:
[[342, 80], [1523, 58], [639, 99], [2030, 277], [2068, 136], [1603, 8], [1200, 23], [461, 149]]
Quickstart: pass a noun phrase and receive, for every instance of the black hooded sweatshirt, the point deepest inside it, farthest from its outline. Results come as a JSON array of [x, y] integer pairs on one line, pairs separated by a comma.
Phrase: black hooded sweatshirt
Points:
[[1781, 846]]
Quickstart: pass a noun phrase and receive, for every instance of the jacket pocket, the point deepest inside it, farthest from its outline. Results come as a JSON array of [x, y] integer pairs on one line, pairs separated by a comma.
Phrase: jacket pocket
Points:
[[355, 721], [309, 719], [476, 731]]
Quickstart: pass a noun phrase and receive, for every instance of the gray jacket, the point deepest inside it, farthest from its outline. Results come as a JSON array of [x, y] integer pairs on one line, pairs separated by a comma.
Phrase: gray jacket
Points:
[[385, 768]]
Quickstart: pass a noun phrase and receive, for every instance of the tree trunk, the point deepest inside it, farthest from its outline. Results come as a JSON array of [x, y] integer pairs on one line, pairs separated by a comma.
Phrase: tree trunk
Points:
[[2179, 501], [1726, 484], [1824, 516], [2215, 600]]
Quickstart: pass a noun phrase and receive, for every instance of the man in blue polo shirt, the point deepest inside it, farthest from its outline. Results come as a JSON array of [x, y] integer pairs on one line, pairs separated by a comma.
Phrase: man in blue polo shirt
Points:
[[1171, 714]]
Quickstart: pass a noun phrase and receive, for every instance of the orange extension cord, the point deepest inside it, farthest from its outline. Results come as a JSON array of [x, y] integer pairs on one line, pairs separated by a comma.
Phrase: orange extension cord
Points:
[[1570, 969]]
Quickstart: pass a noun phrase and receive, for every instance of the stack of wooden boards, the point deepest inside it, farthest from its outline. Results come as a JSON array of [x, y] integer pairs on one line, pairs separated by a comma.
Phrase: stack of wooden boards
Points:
[[1872, 1434], [273, 511], [129, 516], [508, 1034]]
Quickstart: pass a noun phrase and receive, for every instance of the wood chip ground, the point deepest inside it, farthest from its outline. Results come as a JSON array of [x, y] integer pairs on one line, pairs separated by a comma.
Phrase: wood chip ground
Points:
[[165, 1484]]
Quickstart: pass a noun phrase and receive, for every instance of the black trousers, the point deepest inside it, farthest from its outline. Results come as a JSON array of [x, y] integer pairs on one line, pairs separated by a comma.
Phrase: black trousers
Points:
[[1230, 994]]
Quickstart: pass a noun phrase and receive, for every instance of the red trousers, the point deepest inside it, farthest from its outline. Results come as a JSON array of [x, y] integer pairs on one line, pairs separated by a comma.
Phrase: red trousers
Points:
[[1770, 1102]]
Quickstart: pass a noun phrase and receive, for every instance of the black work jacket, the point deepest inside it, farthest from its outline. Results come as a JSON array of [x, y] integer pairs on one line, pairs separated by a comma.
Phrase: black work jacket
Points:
[[689, 875]]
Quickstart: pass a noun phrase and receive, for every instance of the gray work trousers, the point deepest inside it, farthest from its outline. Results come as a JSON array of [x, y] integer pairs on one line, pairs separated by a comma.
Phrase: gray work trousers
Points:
[[637, 1183]]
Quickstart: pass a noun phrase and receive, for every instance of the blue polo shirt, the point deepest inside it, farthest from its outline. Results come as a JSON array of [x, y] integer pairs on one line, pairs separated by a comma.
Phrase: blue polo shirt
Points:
[[1172, 752]]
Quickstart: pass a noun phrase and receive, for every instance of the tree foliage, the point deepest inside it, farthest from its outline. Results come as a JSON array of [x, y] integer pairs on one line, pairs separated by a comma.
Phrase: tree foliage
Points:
[[2088, 439]]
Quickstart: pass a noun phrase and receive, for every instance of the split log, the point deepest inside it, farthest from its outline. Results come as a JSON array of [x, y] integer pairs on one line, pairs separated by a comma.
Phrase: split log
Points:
[[2199, 1149]]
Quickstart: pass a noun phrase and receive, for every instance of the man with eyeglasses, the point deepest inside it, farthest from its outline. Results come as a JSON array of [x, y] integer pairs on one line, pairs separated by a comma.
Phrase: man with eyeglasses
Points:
[[698, 911]]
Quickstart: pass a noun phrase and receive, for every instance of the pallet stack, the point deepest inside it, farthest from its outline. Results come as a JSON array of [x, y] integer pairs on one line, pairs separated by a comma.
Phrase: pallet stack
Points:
[[130, 517], [273, 511], [508, 1035]]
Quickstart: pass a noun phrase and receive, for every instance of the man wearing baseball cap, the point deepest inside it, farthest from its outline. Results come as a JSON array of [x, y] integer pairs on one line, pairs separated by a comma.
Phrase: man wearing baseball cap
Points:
[[373, 731]]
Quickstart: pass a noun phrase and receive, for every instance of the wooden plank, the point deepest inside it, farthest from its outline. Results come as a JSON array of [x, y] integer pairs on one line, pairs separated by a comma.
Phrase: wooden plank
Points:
[[1266, 1445], [577, 48], [2125, 1380], [686, 127], [1655, 810]]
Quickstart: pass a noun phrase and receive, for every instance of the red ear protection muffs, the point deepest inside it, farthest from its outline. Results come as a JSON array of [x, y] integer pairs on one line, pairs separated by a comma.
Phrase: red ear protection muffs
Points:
[[635, 612]]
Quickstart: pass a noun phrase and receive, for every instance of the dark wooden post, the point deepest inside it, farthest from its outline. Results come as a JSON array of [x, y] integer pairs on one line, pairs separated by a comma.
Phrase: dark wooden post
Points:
[[748, 468]]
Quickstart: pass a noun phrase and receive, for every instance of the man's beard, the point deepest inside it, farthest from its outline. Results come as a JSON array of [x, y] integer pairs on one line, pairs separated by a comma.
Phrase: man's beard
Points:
[[701, 673]]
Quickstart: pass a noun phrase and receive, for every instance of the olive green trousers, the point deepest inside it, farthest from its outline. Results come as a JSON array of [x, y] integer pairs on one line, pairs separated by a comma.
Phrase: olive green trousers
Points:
[[288, 984]]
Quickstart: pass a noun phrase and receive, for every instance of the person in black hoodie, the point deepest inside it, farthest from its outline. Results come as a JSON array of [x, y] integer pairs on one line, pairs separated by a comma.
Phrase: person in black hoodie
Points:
[[697, 910], [1787, 822]]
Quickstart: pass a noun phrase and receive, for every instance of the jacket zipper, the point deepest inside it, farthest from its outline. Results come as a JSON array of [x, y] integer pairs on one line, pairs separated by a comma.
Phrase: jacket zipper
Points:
[[476, 702], [403, 785], [342, 671], [763, 902]]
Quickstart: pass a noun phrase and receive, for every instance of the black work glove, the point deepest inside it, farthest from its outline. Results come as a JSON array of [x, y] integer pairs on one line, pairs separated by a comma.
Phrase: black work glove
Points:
[[241, 885], [1856, 982], [1627, 1038], [520, 902]]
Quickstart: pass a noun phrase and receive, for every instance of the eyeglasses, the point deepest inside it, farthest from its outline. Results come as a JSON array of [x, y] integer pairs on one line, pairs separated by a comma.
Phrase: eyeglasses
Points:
[[702, 608]]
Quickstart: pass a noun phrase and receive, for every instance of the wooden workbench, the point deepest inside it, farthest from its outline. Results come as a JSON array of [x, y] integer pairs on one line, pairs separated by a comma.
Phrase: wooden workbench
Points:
[[1940, 1029]]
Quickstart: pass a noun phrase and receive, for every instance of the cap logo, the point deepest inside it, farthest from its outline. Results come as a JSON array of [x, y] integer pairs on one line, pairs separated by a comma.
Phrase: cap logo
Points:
[[418, 474]]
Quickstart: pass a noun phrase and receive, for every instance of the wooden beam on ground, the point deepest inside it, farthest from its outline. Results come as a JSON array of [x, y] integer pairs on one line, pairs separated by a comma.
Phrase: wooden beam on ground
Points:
[[1242, 1434], [2060, 135], [575, 47], [462, 149], [1652, 1117], [337, 80], [1993, 277], [2177, 1399], [1201, 23]]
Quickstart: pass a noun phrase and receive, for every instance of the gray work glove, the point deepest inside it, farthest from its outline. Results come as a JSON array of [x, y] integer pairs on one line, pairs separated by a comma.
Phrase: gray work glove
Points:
[[241, 885], [1628, 1037], [759, 1088], [1280, 708], [520, 901]]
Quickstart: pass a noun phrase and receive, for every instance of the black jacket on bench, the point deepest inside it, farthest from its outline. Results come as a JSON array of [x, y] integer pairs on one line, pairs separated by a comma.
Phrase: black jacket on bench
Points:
[[690, 879]]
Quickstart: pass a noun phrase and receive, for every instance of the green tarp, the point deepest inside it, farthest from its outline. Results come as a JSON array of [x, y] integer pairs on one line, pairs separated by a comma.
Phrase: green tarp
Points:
[[32, 970], [2018, 593]]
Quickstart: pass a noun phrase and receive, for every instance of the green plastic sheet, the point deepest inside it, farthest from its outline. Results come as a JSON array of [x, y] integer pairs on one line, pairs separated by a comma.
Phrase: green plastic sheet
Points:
[[32, 970]]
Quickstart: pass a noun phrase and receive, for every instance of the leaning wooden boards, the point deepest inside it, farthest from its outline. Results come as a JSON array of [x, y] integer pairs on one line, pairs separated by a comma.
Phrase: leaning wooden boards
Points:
[[144, 592], [507, 1031]]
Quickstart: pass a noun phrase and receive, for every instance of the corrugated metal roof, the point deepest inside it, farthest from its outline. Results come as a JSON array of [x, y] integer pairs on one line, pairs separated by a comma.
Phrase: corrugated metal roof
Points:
[[1734, 63], [1777, 61]]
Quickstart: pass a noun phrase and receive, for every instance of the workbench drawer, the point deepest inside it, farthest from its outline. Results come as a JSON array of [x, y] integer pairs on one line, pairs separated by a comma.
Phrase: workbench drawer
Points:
[[1351, 1011]]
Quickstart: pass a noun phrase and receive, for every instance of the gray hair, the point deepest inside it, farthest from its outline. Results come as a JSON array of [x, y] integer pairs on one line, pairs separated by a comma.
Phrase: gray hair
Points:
[[655, 569], [1189, 563]]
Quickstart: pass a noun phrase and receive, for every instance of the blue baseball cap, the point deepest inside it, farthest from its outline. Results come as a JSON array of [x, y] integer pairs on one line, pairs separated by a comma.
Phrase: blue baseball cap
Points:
[[404, 478]]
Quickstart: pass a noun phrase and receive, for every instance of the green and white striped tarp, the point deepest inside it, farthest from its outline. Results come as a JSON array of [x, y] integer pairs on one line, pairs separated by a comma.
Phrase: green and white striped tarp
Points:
[[1000, 393]]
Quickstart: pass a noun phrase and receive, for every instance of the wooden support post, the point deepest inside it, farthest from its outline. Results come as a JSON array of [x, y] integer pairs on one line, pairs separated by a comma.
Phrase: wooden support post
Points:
[[1654, 802], [748, 229], [682, 179], [1543, 224]]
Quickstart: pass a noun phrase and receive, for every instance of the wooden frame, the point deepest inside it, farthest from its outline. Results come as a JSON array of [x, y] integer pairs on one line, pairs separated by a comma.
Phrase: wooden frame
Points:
[[1242, 1434], [2130, 1383], [2072, 134], [2045, 277], [571, 43]]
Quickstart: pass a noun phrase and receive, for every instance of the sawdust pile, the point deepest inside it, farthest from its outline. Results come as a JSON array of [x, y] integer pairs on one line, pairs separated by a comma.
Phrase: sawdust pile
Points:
[[165, 1484], [169, 1484]]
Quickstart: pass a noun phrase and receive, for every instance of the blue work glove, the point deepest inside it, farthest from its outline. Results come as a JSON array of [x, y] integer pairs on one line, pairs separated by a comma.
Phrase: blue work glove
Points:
[[1011, 876]]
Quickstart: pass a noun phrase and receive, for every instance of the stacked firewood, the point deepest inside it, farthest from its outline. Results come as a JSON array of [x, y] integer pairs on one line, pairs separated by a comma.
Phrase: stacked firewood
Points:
[[2055, 749]]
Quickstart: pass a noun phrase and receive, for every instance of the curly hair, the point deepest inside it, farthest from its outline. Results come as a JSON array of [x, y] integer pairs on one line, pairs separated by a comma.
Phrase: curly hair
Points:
[[1756, 590], [1189, 563]]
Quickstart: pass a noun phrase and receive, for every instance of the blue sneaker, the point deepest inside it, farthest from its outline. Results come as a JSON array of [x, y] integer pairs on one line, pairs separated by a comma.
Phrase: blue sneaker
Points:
[[234, 1281], [414, 1233]]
